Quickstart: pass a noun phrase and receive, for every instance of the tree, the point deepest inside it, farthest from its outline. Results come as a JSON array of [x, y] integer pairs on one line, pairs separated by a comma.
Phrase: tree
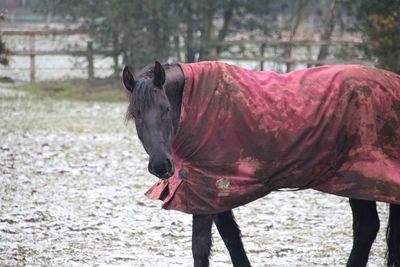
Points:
[[139, 30], [143, 31], [380, 24], [328, 30], [298, 11], [207, 22]]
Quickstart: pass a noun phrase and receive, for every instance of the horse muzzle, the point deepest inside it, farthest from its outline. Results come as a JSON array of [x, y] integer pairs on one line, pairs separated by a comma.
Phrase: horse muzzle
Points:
[[162, 168]]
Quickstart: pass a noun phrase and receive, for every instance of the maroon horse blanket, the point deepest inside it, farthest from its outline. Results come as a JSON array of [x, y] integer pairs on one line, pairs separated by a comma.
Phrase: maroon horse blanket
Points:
[[245, 133]]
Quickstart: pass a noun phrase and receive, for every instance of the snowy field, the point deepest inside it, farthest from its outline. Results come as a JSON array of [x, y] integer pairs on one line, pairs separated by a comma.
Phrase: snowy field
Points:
[[72, 178]]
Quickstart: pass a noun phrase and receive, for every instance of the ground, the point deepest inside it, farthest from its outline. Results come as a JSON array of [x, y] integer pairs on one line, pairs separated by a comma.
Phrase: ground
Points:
[[72, 178]]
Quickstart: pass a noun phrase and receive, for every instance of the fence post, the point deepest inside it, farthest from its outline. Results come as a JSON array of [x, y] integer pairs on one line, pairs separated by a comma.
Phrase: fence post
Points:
[[90, 60], [115, 55], [309, 56], [262, 49], [32, 57], [116, 66]]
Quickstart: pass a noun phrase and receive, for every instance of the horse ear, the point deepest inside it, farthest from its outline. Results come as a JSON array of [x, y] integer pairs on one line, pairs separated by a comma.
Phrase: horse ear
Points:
[[159, 75], [128, 79]]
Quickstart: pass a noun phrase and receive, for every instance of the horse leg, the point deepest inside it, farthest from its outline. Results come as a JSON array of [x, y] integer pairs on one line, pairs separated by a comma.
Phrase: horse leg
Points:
[[393, 236], [201, 239], [365, 228], [230, 233]]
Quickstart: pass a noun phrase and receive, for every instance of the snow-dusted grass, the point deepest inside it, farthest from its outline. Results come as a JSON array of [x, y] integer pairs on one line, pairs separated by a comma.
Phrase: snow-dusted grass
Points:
[[72, 178]]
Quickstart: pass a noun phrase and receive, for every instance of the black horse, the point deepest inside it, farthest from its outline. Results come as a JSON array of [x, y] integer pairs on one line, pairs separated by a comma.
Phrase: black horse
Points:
[[155, 106]]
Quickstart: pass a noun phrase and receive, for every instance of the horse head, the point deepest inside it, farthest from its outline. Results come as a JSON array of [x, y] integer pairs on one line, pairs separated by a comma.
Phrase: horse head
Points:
[[150, 109]]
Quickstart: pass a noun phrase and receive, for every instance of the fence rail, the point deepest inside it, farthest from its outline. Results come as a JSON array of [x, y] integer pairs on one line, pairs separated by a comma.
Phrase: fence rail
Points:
[[58, 52], [293, 61], [41, 32], [305, 42]]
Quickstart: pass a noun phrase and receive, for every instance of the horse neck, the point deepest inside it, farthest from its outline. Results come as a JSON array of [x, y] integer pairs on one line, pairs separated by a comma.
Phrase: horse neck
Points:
[[175, 81]]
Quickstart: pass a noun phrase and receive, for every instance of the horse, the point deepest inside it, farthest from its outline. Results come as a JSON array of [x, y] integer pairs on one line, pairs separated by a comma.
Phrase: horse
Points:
[[156, 106]]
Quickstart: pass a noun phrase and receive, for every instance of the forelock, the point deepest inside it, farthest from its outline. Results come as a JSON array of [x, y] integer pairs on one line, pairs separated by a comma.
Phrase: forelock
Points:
[[142, 97]]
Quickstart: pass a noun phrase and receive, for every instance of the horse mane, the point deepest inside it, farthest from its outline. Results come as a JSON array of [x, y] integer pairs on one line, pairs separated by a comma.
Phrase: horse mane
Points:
[[140, 98]]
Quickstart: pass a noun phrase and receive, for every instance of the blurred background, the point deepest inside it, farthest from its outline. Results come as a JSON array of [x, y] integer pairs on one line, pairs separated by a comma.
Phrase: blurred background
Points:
[[73, 175], [68, 39]]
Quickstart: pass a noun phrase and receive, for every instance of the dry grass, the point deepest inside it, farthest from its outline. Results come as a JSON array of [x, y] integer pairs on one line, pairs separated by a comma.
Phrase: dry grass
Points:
[[104, 90]]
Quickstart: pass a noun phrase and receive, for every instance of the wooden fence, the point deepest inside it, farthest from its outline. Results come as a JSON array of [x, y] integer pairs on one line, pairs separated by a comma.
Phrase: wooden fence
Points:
[[280, 56], [32, 52], [258, 53]]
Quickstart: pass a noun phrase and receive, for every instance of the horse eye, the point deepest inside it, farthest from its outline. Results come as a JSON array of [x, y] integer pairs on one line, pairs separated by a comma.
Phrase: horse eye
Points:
[[165, 111]]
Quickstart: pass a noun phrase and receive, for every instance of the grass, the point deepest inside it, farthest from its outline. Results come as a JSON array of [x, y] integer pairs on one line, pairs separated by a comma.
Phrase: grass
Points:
[[103, 90]]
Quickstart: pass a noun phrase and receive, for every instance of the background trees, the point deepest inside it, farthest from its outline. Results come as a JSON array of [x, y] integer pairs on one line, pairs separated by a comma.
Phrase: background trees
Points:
[[155, 29], [188, 30], [380, 23]]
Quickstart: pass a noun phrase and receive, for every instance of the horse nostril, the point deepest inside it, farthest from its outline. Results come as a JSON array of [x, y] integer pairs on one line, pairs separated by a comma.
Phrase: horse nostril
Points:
[[150, 168]]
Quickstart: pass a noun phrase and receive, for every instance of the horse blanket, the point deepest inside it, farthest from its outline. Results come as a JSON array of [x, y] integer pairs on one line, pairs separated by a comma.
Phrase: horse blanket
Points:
[[243, 134]]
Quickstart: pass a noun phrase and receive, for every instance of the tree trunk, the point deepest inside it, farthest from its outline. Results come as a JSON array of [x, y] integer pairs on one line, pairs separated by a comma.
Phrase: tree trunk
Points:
[[228, 15], [190, 49], [206, 31], [295, 20], [326, 36]]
